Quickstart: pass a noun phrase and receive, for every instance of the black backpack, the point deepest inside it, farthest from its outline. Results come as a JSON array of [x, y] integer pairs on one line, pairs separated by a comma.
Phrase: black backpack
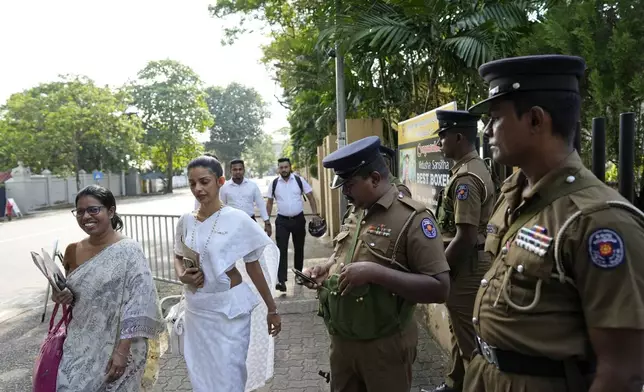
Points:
[[299, 183]]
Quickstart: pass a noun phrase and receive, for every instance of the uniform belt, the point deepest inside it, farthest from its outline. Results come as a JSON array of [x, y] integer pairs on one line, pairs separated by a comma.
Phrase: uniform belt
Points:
[[513, 362], [290, 217]]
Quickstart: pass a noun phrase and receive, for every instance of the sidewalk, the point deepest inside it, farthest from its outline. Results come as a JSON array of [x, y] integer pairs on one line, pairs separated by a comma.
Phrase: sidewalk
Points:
[[301, 351], [302, 348]]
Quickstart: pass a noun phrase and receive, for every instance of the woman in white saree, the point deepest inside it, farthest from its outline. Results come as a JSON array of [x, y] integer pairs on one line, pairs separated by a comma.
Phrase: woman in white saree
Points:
[[223, 314], [112, 340]]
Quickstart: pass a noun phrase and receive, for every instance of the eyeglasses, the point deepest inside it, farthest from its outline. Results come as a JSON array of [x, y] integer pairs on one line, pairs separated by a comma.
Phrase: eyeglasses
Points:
[[93, 210]]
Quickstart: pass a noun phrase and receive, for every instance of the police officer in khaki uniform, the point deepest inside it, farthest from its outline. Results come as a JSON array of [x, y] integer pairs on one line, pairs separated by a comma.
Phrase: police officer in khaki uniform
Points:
[[464, 208], [562, 307], [350, 218], [382, 267]]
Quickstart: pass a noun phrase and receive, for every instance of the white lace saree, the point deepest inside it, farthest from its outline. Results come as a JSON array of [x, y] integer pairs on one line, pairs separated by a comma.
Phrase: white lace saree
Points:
[[115, 298], [227, 347]]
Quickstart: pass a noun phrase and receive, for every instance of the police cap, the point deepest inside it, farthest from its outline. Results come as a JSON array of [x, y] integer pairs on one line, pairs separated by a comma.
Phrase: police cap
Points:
[[530, 73], [347, 160], [456, 120]]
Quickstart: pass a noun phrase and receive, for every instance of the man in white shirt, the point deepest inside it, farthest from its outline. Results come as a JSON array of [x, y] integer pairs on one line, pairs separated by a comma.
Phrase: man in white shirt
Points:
[[288, 190], [243, 194]]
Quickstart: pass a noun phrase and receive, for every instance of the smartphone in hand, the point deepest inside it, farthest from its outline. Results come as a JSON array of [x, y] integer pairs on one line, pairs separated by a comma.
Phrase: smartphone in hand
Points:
[[301, 279]]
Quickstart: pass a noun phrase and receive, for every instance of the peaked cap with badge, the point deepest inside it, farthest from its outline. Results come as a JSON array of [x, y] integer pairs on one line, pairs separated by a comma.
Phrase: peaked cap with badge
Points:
[[348, 160], [529, 73], [457, 120]]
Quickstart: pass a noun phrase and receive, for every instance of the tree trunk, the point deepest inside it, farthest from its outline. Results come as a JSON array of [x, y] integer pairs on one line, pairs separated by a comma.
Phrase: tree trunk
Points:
[[169, 171]]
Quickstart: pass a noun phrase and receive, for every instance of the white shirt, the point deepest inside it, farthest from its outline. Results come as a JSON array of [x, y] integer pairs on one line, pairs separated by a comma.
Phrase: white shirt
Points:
[[289, 196], [244, 197]]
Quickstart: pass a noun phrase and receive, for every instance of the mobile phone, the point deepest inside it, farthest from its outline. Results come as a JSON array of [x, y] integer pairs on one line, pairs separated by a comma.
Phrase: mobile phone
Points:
[[300, 278]]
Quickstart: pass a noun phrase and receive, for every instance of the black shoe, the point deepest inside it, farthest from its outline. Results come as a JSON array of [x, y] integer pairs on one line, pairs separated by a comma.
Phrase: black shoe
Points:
[[281, 286], [444, 388]]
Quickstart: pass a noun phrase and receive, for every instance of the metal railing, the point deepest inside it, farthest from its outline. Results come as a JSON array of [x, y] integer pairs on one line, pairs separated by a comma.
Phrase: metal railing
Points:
[[155, 233]]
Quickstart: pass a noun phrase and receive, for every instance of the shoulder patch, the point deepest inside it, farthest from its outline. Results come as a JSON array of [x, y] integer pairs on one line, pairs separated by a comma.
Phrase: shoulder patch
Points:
[[606, 248], [429, 228], [462, 192]]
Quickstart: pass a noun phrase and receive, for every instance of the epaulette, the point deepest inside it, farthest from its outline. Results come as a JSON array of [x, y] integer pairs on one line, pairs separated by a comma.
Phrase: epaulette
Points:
[[415, 205]]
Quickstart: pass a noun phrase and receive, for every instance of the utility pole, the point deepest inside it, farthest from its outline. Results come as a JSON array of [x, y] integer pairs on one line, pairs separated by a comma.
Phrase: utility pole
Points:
[[340, 96]]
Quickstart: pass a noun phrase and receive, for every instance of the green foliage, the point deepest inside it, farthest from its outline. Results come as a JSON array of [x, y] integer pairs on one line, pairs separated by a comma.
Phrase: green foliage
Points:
[[239, 112], [173, 107], [68, 125], [608, 35], [402, 58], [259, 156]]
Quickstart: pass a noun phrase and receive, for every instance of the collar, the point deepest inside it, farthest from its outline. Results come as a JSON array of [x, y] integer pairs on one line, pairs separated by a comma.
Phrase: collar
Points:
[[466, 158], [244, 180], [388, 198], [571, 165], [282, 178]]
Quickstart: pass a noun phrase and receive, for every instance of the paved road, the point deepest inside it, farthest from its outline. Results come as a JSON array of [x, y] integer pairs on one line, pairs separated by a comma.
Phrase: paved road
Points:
[[23, 286]]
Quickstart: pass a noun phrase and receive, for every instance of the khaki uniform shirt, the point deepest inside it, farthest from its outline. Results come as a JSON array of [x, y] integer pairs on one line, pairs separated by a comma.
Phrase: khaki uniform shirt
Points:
[[471, 194], [601, 257], [420, 249]]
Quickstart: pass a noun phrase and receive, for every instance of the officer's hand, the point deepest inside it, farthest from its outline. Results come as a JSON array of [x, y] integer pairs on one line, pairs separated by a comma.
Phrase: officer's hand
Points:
[[319, 273], [268, 228], [356, 274]]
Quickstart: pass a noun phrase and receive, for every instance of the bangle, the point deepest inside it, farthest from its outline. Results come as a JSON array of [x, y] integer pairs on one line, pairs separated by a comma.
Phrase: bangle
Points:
[[121, 354], [276, 313]]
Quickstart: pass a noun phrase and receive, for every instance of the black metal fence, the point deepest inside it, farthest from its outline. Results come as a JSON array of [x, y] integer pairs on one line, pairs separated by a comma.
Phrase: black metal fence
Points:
[[626, 162]]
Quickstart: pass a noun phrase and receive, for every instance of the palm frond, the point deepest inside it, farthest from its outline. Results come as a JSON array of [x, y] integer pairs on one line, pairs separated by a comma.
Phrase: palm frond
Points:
[[506, 16]]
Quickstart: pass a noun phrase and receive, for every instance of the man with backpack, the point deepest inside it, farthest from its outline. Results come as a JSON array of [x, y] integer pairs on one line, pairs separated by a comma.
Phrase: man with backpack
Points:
[[290, 191]]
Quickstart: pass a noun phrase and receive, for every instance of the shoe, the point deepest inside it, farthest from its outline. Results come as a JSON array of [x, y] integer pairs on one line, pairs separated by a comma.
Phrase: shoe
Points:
[[281, 286], [444, 388]]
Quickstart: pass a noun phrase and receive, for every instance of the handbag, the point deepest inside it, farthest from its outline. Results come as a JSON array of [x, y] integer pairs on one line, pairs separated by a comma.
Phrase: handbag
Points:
[[51, 352], [175, 323]]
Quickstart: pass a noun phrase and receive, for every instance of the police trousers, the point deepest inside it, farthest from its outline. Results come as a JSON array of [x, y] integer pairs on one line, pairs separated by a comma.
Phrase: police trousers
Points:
[[483, 376], [460, 307], [380, 365]]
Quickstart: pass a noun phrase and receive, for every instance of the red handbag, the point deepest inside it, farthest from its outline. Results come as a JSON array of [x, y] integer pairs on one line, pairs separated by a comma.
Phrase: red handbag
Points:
[[51, 352]]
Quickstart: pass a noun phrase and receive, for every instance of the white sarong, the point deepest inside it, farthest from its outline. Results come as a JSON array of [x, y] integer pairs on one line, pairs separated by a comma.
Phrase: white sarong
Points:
[[226, 343]]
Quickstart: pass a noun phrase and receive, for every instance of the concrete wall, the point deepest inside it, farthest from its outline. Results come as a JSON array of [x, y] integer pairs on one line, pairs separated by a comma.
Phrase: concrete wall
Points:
[[34, 191], [46, 190]]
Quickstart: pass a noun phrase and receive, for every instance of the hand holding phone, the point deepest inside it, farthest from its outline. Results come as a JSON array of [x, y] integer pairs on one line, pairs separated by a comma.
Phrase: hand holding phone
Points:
[[301, 278]]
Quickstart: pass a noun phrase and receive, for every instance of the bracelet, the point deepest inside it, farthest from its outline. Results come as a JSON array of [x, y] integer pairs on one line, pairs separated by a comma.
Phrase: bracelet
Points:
[[121, 354], [275, 313]]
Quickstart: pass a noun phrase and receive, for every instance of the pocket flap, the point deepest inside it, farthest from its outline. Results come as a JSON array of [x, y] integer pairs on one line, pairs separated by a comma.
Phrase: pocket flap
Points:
[[377, 243], [529, 263]]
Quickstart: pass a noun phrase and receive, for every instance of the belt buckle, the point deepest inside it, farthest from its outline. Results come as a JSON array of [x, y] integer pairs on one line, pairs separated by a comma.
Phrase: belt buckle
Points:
[[488, 352]]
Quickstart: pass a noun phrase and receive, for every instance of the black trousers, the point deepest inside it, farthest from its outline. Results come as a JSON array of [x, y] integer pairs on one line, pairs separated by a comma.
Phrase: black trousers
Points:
[[284, 226]]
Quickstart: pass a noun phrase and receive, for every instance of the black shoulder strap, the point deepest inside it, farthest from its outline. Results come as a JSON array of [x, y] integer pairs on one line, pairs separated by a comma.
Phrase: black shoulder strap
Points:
[[299, 183], [274, 186]]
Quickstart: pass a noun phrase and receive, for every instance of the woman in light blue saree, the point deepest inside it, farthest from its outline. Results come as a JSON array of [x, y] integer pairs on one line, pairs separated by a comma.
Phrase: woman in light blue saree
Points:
[[116, 321]]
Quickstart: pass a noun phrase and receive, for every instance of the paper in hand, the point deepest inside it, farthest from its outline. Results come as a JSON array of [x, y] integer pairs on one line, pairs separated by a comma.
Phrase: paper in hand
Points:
[[190, 257], [190, 260], [50, 270]]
